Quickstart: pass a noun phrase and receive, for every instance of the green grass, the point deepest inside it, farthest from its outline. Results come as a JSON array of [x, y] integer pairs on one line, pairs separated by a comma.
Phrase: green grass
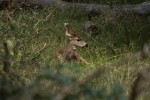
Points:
[[31, 29]]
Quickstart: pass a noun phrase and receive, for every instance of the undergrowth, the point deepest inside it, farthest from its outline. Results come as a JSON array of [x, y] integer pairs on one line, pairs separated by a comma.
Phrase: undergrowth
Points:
[[31, 29]]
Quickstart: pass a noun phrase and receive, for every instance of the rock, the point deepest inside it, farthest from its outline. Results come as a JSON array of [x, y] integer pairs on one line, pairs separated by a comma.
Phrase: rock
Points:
[[90, 26]]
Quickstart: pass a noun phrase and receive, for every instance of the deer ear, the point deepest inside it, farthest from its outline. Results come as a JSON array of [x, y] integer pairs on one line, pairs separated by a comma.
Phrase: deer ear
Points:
[[65, 24], [67, 34]]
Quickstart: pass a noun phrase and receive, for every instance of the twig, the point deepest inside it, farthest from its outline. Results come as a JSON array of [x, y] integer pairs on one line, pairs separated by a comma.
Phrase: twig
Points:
[[74, 86]]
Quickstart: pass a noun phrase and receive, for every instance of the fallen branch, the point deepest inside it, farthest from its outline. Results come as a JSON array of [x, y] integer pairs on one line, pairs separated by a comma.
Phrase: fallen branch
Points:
[[93, 9]]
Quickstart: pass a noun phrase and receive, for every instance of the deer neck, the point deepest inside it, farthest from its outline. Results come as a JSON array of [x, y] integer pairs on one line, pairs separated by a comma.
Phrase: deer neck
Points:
[[70, 47], [69, 53]]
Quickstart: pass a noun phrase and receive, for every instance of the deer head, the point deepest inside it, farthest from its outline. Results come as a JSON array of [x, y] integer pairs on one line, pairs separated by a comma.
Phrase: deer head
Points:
[[76, 42], [73, 38]]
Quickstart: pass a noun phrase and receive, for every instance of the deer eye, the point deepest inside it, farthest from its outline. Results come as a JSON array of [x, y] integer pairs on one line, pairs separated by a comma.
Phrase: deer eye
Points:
[[78, 39]]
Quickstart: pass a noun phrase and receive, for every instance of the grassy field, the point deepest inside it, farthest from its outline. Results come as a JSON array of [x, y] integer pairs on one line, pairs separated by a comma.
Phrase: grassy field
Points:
[[31, 29]]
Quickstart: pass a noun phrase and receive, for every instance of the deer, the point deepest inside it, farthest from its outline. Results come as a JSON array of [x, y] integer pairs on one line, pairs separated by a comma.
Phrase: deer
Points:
[[69, 53]]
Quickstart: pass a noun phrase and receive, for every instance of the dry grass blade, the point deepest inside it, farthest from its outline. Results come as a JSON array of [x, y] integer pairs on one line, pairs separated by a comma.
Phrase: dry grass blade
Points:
[[37, 53]]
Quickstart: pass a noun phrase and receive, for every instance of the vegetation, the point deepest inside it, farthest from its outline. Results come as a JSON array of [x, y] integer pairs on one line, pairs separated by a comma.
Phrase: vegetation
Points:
[[38, 33]]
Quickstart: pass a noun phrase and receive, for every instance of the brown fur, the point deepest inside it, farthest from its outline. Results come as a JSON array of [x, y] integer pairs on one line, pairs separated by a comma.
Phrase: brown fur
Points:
[[68, 54]]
